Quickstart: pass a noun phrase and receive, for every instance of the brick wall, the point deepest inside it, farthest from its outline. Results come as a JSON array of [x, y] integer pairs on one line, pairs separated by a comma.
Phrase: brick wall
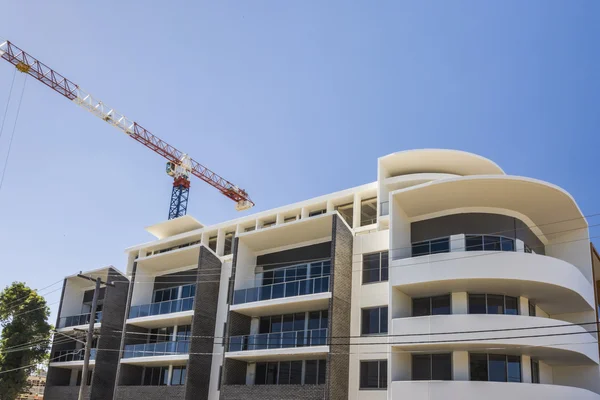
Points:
[[273, 392], [113, 314], [66, 392], [338, 360], [150, 392], [203, 326]]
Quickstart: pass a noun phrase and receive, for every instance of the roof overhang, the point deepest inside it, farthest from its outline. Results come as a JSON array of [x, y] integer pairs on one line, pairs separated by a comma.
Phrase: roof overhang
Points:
[[438, 161], [550, 209], [174, 227]]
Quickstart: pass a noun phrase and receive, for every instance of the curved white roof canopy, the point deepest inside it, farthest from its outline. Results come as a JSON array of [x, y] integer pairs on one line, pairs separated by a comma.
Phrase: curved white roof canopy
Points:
[[438, 161], [550, 208]]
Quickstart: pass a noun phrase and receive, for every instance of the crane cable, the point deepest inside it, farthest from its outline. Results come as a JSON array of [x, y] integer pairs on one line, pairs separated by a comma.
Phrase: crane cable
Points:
[[8, 103], [13, 130]]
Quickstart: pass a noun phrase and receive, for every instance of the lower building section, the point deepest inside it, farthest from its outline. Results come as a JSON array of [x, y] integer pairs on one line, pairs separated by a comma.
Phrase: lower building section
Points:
[[65, 393], [273, 392], [150, 392], [431, 390]]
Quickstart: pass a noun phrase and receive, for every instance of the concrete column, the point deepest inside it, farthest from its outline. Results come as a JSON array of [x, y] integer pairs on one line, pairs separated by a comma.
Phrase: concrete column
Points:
[[356, 212], [304, 213], [170, 375], [460, 365], [457, 243], [520, 246], [523, 306], [279, 219], [459, 303], [526, 369], [220, 242], [250, 373], [254, 326]]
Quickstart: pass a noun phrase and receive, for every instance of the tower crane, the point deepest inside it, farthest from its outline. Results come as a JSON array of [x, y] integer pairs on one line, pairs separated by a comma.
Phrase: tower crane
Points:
[[179, 165]]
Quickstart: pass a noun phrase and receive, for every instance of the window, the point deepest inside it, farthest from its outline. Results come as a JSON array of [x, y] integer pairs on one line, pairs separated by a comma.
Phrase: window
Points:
[[212, 243], [346, 211], [535, 371], [493, 304], [434, 246], [495, 367], [159, 335], [89, 378], [427, 367], [173, 293], [368, 211], [531, 309], [156, 376], [317, 212], [184, 333], [375, 267], [373, 374], [178, 377], [290, 372], [228, 243], [438, 305], [289, 219], [297, 273], [374, 320], [489, 243]]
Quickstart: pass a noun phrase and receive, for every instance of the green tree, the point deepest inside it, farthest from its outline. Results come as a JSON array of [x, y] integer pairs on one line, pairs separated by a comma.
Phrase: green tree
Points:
[[24, 339]]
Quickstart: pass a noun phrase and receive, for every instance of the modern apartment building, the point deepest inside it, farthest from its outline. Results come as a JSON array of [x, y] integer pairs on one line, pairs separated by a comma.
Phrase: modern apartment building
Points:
[[444, 279]]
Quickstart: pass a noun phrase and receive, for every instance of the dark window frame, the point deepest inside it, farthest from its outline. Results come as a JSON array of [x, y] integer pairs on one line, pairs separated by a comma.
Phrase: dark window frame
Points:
[[383, 271], [506, 367], [535, 371], [501, 240], [531, 307], [430, 311], [319, 372], [431, 366], [429, 243], [518, 305], [381, 366], [380, 328]]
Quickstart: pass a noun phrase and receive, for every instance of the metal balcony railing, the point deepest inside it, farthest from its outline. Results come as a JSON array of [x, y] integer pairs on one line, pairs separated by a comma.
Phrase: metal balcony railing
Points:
[[279, 340], [81, 319], [156, 349], [72, 355], [163, 307], [280, 290]]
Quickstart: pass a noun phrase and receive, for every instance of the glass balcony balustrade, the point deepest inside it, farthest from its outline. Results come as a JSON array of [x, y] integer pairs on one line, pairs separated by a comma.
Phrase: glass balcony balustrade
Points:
[[80, 319], [166, 307], [72, 355], [156, 349], [279, 340], [281, 290]]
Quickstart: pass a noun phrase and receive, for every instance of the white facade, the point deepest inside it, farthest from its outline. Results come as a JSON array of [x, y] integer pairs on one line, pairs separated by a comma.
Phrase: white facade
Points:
[[550, 271]]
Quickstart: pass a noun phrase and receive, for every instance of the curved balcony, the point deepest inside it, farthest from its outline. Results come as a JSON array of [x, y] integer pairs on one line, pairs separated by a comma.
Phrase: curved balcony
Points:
[[552, 340], [557, 286], [467, 390]]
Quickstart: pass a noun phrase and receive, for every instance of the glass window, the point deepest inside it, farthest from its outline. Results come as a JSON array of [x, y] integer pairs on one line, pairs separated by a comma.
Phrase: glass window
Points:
[[212, 243], [284, 373], [420, 248], [495, 367], [477, 304], [375, 267], [508, 244], [271, 373], [322, 371], [296, 373], [373, 374], [478, 367], [374, 320], [178, 377], [346, 211], [421, 367], [474, 243], [440, 245], [260, 376], [228, 243], [495, 304], [531, 309], [491, 243], [421, 307], [535, 371], [441, 367], [512, 305], [440, 305], [368, 212], [310, 374]]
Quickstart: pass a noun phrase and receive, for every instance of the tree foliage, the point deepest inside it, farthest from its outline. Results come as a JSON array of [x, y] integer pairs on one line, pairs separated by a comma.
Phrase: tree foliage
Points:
[[24, 338]]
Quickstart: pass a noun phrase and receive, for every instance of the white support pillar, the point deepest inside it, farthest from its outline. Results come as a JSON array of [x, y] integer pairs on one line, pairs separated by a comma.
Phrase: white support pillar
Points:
[[356, 212], [250, 374], [460, 365], [254, 325], [523, 306], [459, 302], [457, 243], [170, 375], [526, 369]]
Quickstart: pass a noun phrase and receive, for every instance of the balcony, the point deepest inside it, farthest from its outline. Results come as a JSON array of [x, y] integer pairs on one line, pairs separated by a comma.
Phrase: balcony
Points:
[[170, 312], [278, 340], [469, 390], [175, 353], [71, 358], [271, 346], [78, 320], [300, 295], [161, 308]]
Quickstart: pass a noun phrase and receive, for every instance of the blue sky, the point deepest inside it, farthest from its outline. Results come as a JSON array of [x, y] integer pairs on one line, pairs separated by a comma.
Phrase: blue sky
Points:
[[287, 99]]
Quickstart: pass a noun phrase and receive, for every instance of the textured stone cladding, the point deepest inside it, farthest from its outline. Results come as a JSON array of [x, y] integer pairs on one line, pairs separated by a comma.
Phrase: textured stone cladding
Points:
[[338, 360], [109, 342], [203, 326], [150, 392], [273, 392], [66, 392]]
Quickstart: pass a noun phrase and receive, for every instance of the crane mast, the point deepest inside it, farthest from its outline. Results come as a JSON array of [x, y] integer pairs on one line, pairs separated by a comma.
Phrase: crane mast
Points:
[[179, 165]]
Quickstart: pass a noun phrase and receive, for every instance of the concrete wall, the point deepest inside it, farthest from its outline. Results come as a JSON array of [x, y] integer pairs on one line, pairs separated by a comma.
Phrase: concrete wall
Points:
[[180, 278]]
